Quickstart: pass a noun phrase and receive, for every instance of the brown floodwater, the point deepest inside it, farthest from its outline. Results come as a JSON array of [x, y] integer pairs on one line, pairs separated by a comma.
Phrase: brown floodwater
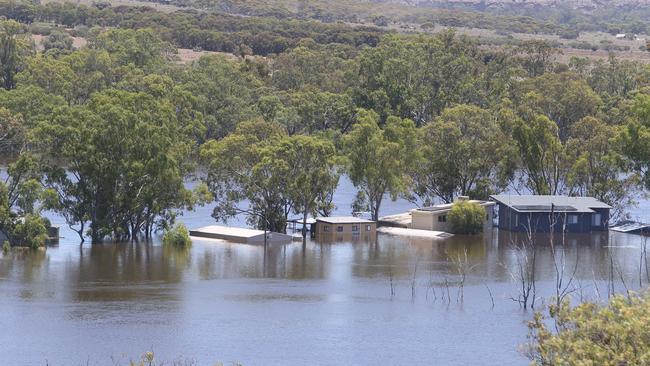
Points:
[[289, 304], [389, 301]]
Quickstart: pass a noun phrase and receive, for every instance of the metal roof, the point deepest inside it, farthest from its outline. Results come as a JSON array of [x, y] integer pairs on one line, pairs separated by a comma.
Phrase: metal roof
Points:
[[541, 203], [631, 227], [344, 220], [229, 231]]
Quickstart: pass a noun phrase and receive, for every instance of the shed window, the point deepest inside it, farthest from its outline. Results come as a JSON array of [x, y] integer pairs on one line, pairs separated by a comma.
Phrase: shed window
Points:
[[339, 229], [596, 219], [355, 228], [368, 227], [442, 218], [326, 229], [573, 219]]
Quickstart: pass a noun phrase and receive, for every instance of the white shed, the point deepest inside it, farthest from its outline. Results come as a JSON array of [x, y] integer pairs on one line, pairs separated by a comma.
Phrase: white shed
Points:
[[240, 235]]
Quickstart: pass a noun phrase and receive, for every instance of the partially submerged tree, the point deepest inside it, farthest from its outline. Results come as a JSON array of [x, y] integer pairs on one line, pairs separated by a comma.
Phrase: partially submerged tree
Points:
[[21, 200], [242, 182], [265, 174], [378, 161], [310, 164], [463, 152], [125, 159], [467, 217]]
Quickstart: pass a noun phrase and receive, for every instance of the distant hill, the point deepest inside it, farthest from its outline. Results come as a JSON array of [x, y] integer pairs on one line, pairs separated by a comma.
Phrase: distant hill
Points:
[[575, 4]]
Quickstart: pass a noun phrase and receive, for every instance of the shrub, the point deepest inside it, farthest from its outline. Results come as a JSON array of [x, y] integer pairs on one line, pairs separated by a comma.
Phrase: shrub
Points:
[[177, 236], [589, 334], [6, 247], [31, 231], [467, 217]]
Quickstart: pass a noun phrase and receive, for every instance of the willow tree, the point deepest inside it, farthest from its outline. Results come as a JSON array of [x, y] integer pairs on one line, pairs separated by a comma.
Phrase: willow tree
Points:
[[378, 161]]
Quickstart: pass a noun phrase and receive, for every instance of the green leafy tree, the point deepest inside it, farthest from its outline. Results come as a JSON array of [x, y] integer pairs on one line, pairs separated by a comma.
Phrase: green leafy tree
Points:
[[310, 162], [564, 98], [467, 217], [463, 152], [378, 161], [542, 156], [634, 139], [244, 178], [177, 236], [12, 132], [596, 168], [125, 159], [22, 198], [591, 334], [12, 50]]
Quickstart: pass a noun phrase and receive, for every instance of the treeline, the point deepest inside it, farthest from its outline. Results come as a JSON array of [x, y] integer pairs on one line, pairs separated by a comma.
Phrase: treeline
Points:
[[106, 135], [197, 30], [610, 18], [377, 12]]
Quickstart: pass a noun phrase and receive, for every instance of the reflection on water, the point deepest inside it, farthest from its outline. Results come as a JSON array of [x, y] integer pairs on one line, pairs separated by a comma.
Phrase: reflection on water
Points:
[[318, 303]]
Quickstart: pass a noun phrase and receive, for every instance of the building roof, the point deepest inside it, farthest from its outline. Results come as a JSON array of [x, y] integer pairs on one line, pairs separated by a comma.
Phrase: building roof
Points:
[[447, 206], [344, 220], [541, 203], [229, 231]]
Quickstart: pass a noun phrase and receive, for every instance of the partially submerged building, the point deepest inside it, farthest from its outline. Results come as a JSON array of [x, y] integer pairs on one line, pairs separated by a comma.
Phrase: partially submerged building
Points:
[[343, 228], [240, 235], [539, 213], [435, 218]]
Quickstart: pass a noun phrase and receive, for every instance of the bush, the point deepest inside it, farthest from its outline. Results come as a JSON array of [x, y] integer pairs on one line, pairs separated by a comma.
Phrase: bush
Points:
[[6, 247], [31, 231], [177, 236], [467, 217], [590, 334]]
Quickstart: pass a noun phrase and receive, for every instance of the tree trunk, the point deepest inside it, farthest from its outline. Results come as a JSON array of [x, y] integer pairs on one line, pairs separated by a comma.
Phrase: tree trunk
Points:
[[304, 227]]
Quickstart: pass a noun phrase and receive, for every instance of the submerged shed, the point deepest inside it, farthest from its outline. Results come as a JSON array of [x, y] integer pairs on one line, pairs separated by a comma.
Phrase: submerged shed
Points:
[[240, 235]]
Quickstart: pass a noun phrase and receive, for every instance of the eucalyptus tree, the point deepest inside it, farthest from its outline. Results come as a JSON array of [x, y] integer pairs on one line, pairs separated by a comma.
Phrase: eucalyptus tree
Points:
[[563, 98], [14, 46], [117, 163], [310, 162], [244, 179], [634, 139], [463, 152], [418, 77], [378, 161], [542, 156], [596, 168]]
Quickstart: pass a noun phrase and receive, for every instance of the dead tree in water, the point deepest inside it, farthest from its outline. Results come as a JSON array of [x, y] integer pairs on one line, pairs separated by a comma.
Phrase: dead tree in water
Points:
[[524, 275], [563, 279]]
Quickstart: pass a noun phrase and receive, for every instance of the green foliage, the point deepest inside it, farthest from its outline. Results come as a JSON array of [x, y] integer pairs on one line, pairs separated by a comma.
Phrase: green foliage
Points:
[[12, 47], [140, 180], [30, 231], [467, 217], [590, 334], [107, 135], [378, 161], [6, 247], [418, 78], [463, 152], [177, 236]]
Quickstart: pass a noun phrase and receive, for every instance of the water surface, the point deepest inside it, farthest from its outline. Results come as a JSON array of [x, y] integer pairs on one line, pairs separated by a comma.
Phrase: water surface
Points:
[[387, 301]]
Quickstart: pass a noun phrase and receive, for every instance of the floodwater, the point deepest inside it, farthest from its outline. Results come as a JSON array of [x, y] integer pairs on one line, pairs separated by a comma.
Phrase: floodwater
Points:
[[389, 301]]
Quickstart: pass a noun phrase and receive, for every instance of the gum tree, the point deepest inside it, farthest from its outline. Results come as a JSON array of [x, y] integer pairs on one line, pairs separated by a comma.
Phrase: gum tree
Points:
[[379, 160]]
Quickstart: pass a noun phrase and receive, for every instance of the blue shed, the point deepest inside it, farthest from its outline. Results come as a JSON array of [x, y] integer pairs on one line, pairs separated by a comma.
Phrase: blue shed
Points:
[[538, 213]]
